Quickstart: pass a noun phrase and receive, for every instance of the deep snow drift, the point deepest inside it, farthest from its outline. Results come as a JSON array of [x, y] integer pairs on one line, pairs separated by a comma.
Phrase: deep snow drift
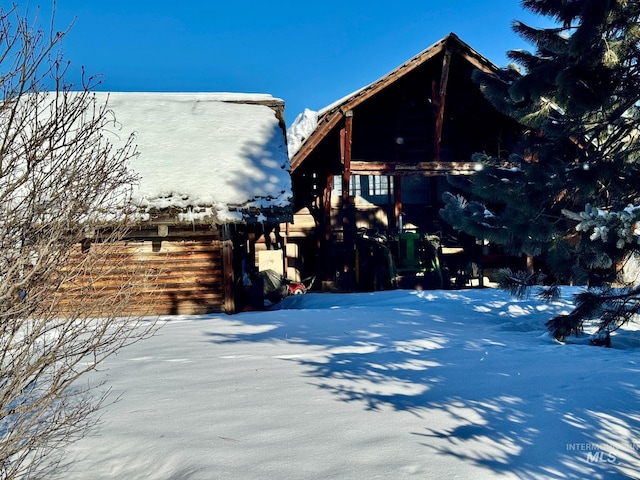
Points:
[[389, 385]]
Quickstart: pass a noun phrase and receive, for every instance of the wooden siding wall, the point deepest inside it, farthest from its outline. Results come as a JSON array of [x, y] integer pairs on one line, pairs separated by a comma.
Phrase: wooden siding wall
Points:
[[159, 277]]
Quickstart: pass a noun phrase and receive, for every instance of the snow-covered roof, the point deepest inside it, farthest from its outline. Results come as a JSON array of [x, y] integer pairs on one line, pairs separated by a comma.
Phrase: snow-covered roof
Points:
[[219, 157]]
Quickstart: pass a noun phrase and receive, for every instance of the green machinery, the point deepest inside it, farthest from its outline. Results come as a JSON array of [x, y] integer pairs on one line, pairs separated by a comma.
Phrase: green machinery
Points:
[[417, 260], [407, 260]]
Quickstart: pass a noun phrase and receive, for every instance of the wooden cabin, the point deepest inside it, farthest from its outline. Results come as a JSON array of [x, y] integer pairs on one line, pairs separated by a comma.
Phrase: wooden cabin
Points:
[[214, 188], [378, 159]]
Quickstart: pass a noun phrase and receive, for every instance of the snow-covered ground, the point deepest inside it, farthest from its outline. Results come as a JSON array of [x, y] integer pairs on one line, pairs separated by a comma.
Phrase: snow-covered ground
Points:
[[389, 385]]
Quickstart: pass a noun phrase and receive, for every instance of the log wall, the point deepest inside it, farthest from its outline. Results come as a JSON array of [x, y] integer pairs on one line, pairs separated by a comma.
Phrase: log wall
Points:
[[149, 277]]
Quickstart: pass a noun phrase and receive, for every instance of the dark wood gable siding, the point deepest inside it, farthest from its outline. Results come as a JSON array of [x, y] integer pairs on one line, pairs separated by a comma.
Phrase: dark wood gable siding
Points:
[[397, 124], [471, 123]]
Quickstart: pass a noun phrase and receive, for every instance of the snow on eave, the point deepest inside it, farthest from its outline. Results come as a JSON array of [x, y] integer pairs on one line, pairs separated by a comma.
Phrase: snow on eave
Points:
[[210, 157], [302, 128]]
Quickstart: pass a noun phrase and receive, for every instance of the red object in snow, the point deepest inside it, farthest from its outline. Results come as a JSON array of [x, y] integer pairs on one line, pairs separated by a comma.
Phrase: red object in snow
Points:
[[296, 288]]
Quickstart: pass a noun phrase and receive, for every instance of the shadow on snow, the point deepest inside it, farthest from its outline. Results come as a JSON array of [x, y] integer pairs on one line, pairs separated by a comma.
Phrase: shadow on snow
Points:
[[486, 383]]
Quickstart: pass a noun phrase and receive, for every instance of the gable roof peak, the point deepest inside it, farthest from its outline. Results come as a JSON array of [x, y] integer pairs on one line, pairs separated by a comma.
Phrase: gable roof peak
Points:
[[329, 116]]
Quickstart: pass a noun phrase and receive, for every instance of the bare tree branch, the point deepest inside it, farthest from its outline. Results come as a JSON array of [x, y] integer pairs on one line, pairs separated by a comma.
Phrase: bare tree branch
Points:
[[64, 205]]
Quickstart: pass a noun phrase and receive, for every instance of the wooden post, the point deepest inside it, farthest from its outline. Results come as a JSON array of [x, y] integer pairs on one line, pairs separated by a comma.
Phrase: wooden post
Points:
[[327, 208], [323, 230], [228, 275], [441, 100], [530, 265], [346, 137], [397, 199], [285, 253], [390, 207], [348, 215]]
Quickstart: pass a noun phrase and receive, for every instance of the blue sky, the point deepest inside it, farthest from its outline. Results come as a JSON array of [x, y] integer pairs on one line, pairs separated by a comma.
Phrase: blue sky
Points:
[[307, 53]]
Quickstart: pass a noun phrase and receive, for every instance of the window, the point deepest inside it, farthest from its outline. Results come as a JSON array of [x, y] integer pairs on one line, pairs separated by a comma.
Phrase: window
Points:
[[380, 185], [355, 188]]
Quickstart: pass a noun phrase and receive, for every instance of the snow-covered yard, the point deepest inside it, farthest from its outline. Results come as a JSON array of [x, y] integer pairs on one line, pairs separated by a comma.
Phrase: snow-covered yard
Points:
[[388, 385]]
